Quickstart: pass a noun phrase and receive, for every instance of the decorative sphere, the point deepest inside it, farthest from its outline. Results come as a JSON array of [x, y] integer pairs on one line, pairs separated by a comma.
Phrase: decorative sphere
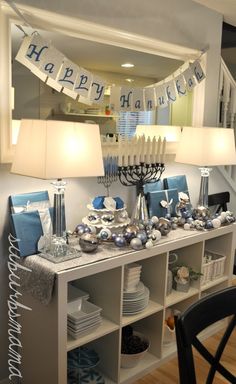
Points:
[[80, 229], [141, 226], [216, 223], [223, 216], [122, 217], [168, 216], [88, 242], [105, 234], [181, 220], [136, 243], [187, 226], [174, 226], [155, 236], [190, 220], [164, 226], [209, 224], [142, 236], [92, 229], [87, 229], [120, 241], [149, 244], [113, 236], [230, 219], [154, 219], [186, 214], [131, 231], [201, 213]]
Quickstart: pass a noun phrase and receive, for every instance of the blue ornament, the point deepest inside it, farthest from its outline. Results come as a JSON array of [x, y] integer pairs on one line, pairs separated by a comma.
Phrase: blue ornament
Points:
[[113, 236], [142, 236], [209, 224], [105, 234], [87, 229], [120, 241], [186, 214], [80, 229], [130, 231]]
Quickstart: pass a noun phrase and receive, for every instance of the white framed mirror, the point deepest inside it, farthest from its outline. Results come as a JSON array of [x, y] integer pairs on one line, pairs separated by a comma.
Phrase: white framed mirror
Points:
[[73, 29]]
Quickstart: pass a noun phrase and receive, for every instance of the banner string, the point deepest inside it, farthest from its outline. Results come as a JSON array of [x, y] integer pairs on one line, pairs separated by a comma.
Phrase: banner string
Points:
[[16, 10]]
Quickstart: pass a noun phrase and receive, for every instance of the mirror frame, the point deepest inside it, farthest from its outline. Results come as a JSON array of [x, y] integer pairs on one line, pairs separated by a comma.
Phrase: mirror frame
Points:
[[75, 28]]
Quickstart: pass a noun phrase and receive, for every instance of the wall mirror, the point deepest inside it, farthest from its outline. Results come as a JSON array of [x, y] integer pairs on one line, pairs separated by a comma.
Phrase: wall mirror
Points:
[[98, 49]]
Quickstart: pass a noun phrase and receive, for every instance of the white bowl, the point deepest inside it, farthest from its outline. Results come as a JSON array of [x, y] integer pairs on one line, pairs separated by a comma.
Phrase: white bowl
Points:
[[131, 360]]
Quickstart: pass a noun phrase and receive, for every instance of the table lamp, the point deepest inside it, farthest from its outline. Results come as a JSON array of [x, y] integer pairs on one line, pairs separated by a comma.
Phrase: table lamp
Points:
[[206, 147], [49, 149]]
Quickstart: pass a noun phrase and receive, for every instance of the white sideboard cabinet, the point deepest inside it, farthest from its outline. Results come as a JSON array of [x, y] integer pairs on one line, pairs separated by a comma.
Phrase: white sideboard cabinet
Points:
[[44, 329]]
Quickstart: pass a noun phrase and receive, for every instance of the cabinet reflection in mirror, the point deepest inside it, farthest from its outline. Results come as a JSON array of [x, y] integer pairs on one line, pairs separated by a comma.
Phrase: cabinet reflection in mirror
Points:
[[35, 99]]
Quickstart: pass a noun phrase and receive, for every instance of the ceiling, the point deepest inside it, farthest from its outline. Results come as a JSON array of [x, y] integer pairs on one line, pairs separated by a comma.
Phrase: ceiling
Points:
[[226, 7]]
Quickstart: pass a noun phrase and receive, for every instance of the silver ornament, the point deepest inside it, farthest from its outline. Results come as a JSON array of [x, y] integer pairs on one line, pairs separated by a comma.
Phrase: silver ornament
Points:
[[88, 242], [136, 244]]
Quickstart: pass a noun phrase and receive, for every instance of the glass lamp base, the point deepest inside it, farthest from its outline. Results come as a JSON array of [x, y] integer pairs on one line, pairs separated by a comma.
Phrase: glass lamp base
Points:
[[57, 250]]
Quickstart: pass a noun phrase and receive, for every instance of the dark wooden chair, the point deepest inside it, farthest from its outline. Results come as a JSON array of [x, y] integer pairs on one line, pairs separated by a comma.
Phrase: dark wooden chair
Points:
[[219, 200], [196, 318]]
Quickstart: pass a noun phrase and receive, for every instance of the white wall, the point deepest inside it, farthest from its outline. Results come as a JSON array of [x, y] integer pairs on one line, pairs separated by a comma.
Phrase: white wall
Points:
[[178, 21]]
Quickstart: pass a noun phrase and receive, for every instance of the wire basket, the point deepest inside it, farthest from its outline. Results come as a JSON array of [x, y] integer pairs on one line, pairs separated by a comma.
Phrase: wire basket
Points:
[[213, 266]]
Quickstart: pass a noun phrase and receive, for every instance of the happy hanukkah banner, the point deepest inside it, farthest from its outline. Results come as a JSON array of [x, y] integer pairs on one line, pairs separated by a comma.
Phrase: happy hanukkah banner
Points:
[[60, 73]]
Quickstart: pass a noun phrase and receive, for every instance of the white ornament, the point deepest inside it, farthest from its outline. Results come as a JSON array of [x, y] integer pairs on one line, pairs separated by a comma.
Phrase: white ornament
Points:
[[92, 229], [149, 244], [223, 217], [187, 226], [154, 219], [157, 235], [216, 223]]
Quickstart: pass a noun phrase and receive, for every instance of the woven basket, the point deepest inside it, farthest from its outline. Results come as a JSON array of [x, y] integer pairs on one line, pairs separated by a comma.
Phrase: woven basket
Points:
[[213, 266]]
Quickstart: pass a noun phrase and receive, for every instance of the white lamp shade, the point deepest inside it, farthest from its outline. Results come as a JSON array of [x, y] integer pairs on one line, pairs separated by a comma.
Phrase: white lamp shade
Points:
[[49, 149], [206, 146]]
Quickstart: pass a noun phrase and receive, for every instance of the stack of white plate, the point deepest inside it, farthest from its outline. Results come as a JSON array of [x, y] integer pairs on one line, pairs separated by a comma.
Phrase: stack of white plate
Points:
[[135, 294], [83, 317], [132, 274], [92, 111], [135, 301]]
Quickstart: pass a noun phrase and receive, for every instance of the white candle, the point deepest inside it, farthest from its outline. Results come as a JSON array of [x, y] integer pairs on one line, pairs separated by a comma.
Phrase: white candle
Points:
[[142, 151], [120, 154], [148, 151], [158, 151], [126, 152], [163, 151], [154, 148], [131, 151], [137, 151]]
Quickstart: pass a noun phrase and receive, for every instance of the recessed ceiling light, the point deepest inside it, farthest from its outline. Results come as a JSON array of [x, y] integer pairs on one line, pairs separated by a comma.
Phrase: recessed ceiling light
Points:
[[127, 65], [129, 80]]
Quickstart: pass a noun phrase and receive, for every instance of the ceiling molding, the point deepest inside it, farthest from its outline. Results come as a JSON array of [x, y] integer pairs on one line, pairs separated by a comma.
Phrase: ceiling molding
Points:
[[95, 32]]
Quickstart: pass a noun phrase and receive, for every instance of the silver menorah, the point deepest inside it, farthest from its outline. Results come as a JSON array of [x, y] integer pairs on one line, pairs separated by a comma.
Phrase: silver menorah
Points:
[[110, 172]]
